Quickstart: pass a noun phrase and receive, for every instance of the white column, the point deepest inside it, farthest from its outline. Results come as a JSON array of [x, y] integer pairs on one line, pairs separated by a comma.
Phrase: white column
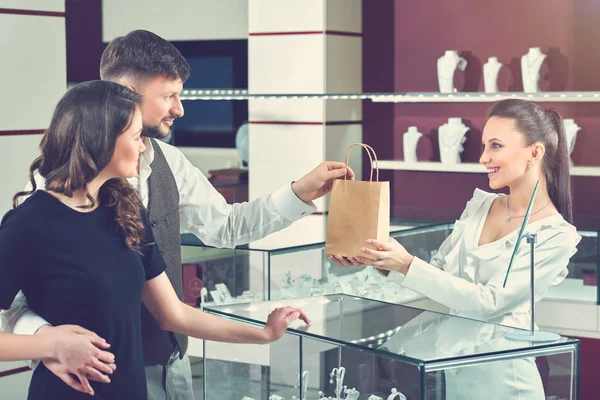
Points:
[[309, 47], [33, 78]]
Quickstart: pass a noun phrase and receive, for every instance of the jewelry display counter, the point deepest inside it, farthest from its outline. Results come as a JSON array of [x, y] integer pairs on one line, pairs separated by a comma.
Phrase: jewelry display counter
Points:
[[357, 348], [292, 263]]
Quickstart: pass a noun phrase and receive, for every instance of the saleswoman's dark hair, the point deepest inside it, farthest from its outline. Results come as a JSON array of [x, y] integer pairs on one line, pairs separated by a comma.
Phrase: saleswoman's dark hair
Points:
[[538, 125]]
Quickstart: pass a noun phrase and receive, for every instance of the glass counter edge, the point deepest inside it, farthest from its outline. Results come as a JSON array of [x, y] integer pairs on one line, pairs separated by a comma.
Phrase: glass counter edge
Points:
[[424, 227], [428, 365]]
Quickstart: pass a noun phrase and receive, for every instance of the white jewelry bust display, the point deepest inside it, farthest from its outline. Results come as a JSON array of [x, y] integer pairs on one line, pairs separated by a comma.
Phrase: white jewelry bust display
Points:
[[410, 138], [451, 137], [396, 395], [531, 63], [490, 74], [203, 295], [571, 129], [446, 65], [351, 394]]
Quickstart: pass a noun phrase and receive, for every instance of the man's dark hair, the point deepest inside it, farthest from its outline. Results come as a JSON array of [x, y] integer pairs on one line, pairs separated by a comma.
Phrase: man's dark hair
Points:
[[141, 54]]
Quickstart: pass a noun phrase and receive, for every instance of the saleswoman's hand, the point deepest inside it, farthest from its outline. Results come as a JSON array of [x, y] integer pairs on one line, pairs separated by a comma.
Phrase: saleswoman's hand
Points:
[[346, 261], [390, 255], [279, 320]]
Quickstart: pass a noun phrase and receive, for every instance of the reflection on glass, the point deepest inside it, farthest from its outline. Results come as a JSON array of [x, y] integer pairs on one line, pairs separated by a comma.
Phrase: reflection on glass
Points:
[[291, 263], [429, 335], [365, 348]]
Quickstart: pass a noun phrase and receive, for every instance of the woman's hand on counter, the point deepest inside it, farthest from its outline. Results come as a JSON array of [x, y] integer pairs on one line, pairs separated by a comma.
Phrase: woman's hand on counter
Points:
[[280, 319]]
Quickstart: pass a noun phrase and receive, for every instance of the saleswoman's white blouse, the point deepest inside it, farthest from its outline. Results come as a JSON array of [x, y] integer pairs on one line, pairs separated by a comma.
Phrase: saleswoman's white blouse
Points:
[[468, 278]]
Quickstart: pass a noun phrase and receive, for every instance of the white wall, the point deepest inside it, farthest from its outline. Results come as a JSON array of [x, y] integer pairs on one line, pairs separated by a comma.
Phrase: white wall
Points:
[[34, 5], [176, 19], [32, 78], [14, 387], [290, 137]]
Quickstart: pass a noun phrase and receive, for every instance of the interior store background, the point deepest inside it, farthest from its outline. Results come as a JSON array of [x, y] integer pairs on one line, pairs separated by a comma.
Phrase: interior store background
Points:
[[317, 46]]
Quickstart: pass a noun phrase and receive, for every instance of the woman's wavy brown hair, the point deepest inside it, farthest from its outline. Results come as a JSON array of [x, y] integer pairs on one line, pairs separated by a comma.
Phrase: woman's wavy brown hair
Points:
[[80, 142]]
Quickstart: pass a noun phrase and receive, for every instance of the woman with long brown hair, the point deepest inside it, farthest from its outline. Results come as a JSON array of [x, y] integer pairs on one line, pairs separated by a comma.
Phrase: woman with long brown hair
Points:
[[522, 144], [81, 254]]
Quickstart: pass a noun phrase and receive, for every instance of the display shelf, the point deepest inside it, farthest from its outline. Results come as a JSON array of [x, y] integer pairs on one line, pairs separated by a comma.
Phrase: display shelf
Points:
[[477, 97], [573, 290], [473, 168], [406, 97]]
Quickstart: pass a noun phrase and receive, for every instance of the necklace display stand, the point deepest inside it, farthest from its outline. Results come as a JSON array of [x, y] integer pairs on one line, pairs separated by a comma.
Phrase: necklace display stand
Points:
[[410, 138], [571, 129], [396, 395], [446, 66], [531, 63], [203, 295], [490, 75], [451, 137]]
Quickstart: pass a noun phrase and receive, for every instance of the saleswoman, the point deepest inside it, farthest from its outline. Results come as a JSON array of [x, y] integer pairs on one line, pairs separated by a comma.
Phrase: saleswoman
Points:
[[522, 143]]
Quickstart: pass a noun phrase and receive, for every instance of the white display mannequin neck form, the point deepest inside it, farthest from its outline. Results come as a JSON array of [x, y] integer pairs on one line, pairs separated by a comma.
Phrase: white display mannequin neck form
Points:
[[446, 65], [409, 144], [490, 74], [453, 132], [451, 136], [531, 63], [571, 129]]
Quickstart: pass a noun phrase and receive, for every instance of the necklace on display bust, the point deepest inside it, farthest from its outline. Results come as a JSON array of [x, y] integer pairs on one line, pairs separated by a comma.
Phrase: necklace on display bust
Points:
[[453, 133], [510, 217], [531, 71], [451, 141], [535, 60]]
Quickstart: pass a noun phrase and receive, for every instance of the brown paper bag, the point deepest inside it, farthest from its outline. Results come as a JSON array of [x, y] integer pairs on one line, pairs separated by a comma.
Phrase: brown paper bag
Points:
[[358, 210]]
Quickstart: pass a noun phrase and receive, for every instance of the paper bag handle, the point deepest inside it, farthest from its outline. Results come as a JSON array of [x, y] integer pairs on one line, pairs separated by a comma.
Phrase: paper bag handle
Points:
[[369, 150]]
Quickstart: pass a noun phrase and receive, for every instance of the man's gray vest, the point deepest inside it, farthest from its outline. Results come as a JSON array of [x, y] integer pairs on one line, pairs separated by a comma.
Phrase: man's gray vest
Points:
[[163, 213]]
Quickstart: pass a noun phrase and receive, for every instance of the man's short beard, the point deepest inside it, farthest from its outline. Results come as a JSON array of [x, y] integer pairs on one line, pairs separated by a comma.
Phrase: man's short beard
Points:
[[153, 132]]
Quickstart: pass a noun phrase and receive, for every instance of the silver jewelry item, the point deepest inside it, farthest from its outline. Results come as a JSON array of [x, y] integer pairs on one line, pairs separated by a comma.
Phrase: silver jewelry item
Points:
[[510, 217]]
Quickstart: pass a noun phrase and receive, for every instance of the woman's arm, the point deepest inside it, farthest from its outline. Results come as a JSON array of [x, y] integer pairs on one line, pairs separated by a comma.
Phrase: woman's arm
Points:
[[489, 300], [75, 351], [175, 316], [25, 347]]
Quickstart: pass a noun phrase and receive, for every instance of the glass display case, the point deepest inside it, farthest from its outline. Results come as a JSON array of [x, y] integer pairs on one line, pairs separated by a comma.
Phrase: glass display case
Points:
[[581, 284], [357, 348], [292, 263]]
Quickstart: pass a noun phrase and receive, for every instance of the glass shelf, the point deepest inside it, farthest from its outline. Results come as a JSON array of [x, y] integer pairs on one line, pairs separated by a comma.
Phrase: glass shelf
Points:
[[405, 97], [473, 168]]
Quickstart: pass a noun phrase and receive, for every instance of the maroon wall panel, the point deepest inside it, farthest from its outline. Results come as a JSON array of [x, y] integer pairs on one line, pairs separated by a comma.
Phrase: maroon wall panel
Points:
[[565, 30], [378, 76]]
